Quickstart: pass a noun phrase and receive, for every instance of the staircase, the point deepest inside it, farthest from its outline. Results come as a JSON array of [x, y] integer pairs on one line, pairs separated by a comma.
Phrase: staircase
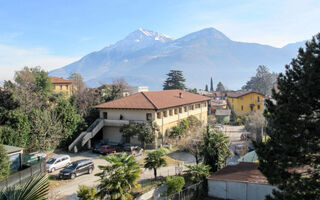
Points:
[[93, 129], [85, 136]]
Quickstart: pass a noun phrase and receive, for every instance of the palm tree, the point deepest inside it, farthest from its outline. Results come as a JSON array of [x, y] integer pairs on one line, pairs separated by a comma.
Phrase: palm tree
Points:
[[118, 178], [215, 149], [35, 189], [198, 172], [154, 160]]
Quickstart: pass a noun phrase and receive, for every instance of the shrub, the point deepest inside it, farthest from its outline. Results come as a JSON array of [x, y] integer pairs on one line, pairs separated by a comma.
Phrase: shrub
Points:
[[4, 163], [197, 173], [175, 184], [87, 193]]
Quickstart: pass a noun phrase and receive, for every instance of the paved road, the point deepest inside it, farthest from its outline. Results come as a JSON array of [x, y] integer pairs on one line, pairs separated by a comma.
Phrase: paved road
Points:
[[68, 190]]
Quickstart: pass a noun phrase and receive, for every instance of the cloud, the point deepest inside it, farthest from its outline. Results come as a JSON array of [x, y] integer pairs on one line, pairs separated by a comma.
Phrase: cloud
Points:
[[14, 58]]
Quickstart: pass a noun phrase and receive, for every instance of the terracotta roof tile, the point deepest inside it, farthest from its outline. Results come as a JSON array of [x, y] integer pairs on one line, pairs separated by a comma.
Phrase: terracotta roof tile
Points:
[[239, 93], [154, 100], [243, 172], [56, 80]]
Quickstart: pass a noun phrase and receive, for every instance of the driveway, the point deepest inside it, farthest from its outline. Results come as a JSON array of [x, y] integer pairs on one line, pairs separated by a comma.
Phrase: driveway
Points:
[[69, 190]]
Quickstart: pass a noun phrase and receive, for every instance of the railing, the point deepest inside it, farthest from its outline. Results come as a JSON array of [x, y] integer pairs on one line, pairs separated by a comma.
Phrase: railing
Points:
[[22, 176]]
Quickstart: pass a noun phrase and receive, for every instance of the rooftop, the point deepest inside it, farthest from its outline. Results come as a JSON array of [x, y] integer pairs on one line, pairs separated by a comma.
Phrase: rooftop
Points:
[[12, 149], [56, 80], [240, 93], [223, 112], [154, 100], [243, 172]]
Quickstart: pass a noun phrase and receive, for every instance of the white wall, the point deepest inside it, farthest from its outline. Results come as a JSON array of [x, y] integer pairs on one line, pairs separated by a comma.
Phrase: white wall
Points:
[[238, 190], [127, 114]]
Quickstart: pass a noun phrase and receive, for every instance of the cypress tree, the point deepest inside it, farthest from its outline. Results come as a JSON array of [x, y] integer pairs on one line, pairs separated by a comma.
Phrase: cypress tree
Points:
[[211, 85], [290, 158], [206, 89], [175, 80]]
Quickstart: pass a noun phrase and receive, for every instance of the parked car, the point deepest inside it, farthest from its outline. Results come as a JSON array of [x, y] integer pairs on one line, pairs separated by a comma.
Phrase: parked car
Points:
[[106, 149], [133, 150], [33, 158], [57, 162], [218, 127], [240, 149], [77, 168]]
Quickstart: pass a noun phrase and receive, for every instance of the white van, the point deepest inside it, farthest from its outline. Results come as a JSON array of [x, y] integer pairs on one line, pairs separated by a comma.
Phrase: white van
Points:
[[57, 162]]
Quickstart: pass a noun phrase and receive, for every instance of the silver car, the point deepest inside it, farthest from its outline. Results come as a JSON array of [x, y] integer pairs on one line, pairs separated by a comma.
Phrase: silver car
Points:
[[57, 162]]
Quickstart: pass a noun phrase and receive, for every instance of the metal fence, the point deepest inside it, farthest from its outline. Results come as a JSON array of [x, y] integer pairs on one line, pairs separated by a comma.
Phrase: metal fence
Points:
[[22, 176], [195, 191]]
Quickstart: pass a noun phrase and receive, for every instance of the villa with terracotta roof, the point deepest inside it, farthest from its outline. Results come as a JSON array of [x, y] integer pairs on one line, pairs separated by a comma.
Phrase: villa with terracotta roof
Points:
[[62, 85], [165, 108]]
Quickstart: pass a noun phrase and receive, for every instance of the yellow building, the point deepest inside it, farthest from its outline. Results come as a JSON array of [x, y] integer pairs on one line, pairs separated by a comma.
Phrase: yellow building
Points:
[[62, 85], [165, 108], [243, 102]]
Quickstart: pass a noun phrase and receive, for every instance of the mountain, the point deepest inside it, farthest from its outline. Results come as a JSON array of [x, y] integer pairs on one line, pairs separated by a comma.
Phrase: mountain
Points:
[[145, 57]]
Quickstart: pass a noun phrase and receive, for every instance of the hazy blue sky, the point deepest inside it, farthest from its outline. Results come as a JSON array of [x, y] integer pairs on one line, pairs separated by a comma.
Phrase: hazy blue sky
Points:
[[56, 32]]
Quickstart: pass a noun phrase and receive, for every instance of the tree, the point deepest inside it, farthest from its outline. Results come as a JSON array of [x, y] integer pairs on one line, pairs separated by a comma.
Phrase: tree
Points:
[[175, 80], [193, 144], [47, 130], [220, 87], [118, 178], [154, 160], [36, 188], [215, 149], [175, 184], [17, 130], [7, 101], [4, 163], [87, 193], [211, 85], [255, 125], [176, 132], [194, 122], [198, 172], [206, 88], [290, 158], [68, 116], [262, 82]]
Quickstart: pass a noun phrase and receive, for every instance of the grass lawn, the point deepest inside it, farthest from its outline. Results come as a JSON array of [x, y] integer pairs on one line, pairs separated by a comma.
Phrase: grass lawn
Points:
[[54, 181]]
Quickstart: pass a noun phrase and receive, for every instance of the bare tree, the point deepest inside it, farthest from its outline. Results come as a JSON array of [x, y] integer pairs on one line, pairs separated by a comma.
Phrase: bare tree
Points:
[[256, 124]]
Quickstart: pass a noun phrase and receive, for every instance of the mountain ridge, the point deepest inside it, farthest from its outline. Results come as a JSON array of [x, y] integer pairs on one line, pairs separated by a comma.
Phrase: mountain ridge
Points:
[[144, 57]]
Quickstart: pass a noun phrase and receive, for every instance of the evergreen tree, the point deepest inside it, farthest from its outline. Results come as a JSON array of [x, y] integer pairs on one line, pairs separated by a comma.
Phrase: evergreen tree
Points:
[[175, 80], [206, 89], [220, 87], [211, 85], [290, 158], [4, 163]]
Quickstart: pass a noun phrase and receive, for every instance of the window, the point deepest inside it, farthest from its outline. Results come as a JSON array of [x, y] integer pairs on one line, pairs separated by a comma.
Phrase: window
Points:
[[258, 99], [105, 115], [171, 112], [165, 113], [159, 115], [198, 105], [185, 109], [258, 107], [149, 117], [241, 98], [54, 87], [205, 104], [180, 110], [60, 87], [67, 86], [191, 107], [176, 111], [241, 107]]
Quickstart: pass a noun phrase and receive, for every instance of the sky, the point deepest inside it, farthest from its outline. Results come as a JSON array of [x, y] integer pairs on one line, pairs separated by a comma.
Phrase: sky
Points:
[[52, 34]]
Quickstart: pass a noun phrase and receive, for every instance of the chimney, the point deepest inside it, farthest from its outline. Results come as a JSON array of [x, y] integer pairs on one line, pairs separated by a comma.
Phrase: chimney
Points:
[[180, 95]]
